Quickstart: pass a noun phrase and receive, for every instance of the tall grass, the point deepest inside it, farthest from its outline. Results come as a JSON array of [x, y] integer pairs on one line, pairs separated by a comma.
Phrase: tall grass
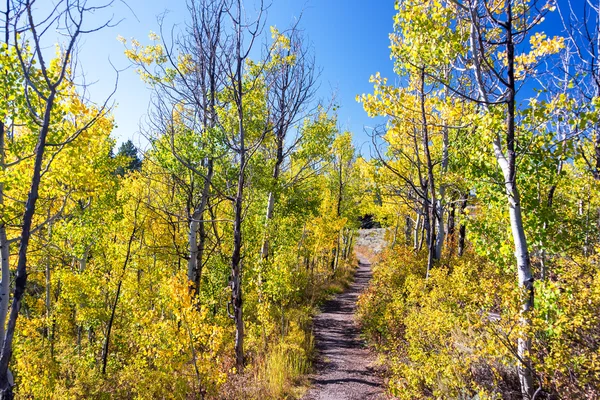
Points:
[[286, 364]]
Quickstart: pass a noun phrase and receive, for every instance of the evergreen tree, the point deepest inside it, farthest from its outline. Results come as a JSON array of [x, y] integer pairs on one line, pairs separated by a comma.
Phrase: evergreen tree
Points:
[[129, 151]]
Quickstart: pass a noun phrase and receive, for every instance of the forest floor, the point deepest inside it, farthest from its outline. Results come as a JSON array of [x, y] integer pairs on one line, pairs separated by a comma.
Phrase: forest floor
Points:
[[345, 368]]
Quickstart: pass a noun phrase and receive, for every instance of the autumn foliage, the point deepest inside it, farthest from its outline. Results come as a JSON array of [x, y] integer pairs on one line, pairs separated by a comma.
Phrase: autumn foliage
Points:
[[486, 174]]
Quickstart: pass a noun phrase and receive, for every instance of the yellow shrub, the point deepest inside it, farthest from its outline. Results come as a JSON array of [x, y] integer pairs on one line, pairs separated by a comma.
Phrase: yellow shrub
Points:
[[454, 335]]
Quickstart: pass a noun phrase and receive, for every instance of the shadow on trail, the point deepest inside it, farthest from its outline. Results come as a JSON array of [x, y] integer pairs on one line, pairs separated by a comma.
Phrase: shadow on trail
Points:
[[343, 368]]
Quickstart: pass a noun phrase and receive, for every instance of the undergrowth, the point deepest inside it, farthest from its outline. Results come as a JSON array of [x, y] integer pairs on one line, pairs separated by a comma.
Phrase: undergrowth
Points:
[[279, 366], [454, 335]]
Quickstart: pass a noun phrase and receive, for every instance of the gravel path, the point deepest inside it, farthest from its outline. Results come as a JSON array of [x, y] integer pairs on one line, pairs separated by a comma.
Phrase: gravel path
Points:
[[344, 370]]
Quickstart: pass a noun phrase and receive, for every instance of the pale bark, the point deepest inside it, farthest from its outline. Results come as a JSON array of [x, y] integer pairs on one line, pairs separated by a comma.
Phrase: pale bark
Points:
[[507, 163], [264, 252], [441, 232], [336, 259], [417, 233], [516, 221], [349, 244], [279, 139], [205, 41], [526, 283]]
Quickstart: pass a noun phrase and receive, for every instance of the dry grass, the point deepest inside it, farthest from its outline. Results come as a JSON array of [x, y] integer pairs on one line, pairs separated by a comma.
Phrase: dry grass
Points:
[[281, 372]]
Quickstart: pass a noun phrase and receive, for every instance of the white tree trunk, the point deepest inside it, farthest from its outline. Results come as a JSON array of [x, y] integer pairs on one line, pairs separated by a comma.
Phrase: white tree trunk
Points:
[[526, 285], [441, 231], [264, 251], [508, 167], [417, 233]]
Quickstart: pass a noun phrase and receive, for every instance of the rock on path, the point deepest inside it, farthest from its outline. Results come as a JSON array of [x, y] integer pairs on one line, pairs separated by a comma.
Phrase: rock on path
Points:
[[344, 369]]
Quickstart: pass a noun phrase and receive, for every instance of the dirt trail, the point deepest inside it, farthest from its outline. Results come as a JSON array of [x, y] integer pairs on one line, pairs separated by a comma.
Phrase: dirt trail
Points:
[[344, 365]]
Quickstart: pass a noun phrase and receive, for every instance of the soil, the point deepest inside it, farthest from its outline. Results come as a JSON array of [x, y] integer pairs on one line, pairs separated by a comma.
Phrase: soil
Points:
[[345, 366]]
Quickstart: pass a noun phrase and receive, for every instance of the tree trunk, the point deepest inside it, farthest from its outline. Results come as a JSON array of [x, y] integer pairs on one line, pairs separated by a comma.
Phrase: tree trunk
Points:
[[21, 275], [428, 229], [5, 280], [48, 300], [462, 231], [440, 202], [507, 163], [4, 247], [264, 252], [4, 244], [432, 202], [407, 229], [349, 244], [526, 284], [451, 229], [236, 264], [264, 249], [596, 172], [113, 311], [337, 253], [441, 234], [516, 219], [417, 233], [197, 232], [236, 279]]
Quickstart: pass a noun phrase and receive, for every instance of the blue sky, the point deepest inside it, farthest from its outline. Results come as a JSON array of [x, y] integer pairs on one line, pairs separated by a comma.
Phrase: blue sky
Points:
[[349, 37]]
